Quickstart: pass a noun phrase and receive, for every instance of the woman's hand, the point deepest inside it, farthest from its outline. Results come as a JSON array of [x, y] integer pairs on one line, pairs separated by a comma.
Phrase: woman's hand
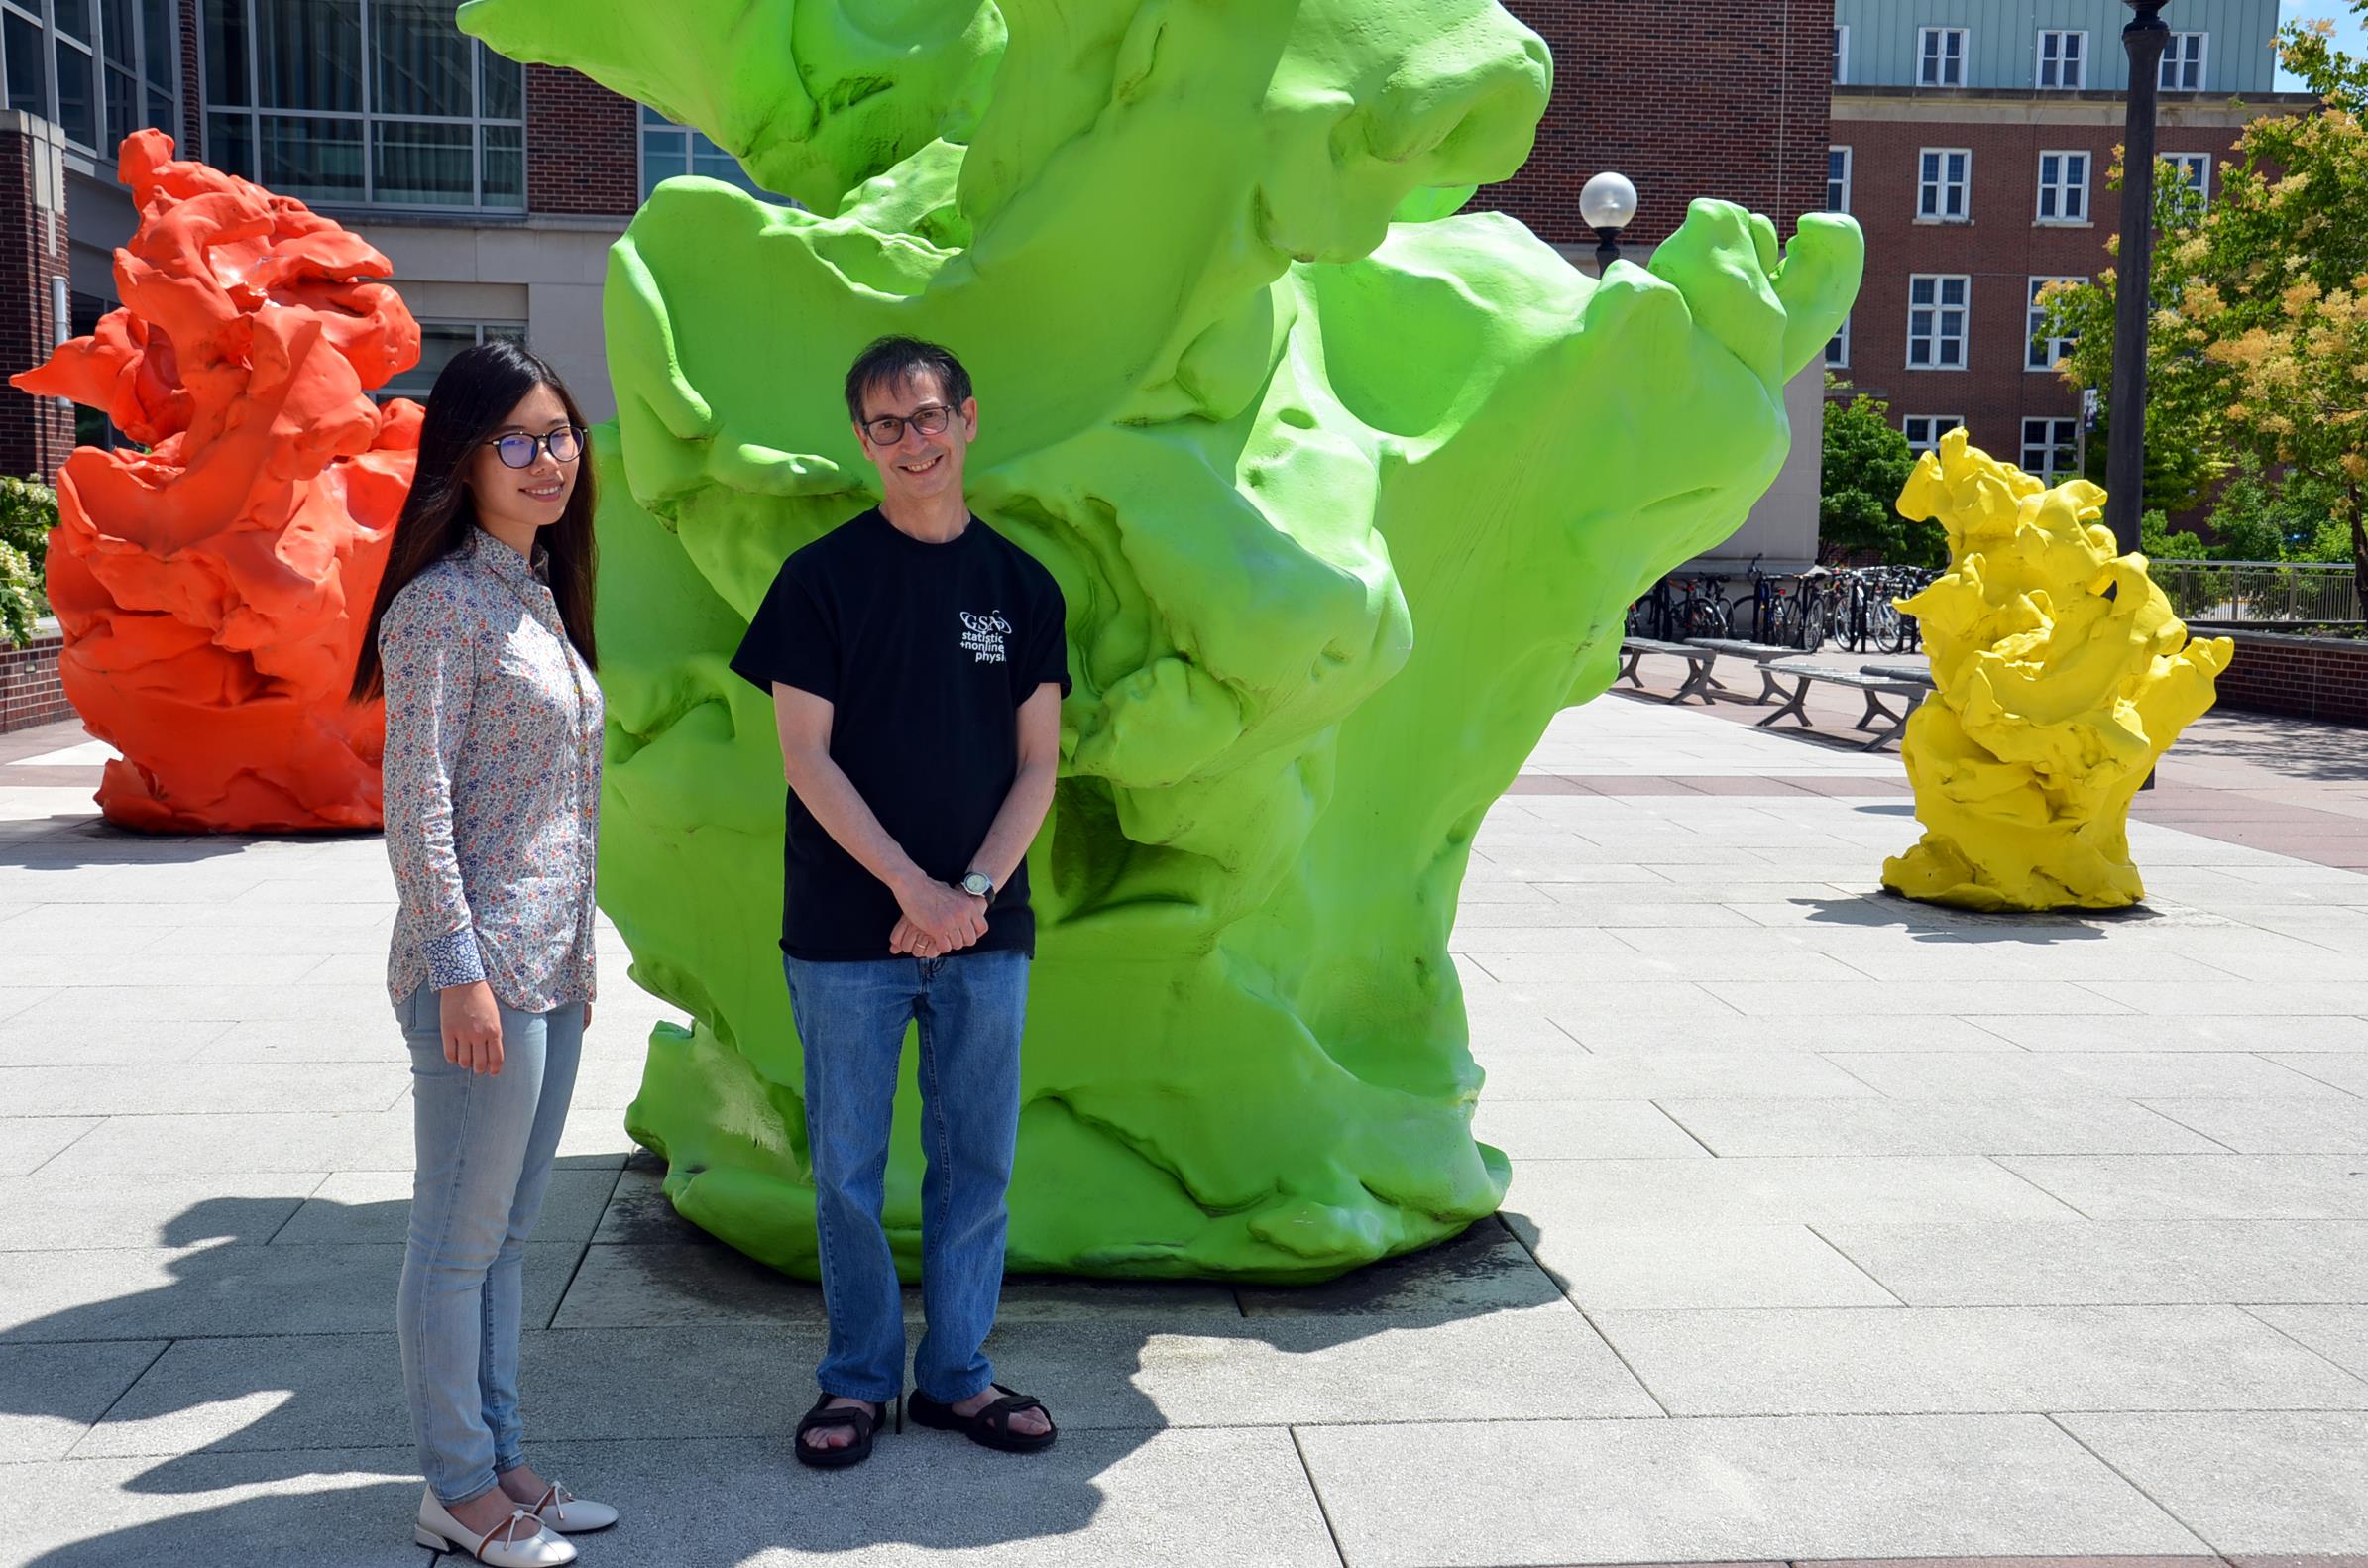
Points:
[[472, 1027], [587, 1015]]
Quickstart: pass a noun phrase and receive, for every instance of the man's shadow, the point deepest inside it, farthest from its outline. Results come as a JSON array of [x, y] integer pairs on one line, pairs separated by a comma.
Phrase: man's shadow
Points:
[[664, 1372]]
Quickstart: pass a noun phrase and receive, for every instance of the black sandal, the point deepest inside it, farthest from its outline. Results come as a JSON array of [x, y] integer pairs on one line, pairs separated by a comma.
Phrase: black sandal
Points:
[[822, 1417], [992, 1427]]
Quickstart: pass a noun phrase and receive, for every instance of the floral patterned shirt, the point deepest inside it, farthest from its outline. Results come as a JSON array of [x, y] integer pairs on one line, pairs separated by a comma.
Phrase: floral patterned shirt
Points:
[[493, 782]]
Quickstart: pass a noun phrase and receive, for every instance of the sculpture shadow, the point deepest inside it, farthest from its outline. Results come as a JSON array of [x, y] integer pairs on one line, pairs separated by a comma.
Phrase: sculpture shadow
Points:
[[82, 842], [663, 1372], [1938, 923]]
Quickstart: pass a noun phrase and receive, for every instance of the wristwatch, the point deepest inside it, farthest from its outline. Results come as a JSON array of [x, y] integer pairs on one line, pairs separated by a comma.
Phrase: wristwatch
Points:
[[978, 886]]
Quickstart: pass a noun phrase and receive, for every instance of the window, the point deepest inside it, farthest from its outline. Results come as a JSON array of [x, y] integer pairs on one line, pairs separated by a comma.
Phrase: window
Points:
[[1924, 430], [1841, 54], [2063, 60], [2194, 172], [1837, 179], [1944, 179], [2041, 353], [2051, 448], [439, 341], [2064, 187], [380, 101], [1936, 321], [2182, 63], [1838, 348], [1941, 57], [668, 149], [98, 71]]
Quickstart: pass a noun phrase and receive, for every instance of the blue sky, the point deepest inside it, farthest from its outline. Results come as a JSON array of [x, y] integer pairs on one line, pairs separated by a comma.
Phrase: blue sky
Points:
[[2348, 35]]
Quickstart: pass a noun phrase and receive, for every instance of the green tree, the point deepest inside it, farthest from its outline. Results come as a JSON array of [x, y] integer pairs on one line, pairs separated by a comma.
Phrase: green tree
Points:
[[2258, 348], [28, 511], [1867, 464]]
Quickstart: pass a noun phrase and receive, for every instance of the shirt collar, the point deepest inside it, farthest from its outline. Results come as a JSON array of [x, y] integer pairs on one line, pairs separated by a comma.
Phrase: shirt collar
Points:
[[506, 563]]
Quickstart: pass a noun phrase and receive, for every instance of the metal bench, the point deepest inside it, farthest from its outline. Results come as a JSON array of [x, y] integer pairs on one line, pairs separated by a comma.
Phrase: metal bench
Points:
[[1918, 673], [1698, 682], [1875, 686], [1759, 654]]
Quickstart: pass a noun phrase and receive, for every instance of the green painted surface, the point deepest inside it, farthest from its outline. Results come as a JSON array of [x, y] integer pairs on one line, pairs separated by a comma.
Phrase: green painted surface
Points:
[[1344, 511]]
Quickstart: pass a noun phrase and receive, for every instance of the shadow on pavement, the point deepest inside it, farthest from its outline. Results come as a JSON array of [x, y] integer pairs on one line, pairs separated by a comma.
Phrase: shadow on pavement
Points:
[[1936, 923]]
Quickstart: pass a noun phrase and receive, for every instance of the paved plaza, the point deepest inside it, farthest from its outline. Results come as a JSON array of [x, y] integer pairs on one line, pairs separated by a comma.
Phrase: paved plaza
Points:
[[1839, 1227]]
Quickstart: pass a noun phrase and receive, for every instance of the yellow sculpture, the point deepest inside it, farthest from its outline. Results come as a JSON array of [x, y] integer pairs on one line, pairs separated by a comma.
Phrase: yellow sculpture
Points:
[[2063, 676]]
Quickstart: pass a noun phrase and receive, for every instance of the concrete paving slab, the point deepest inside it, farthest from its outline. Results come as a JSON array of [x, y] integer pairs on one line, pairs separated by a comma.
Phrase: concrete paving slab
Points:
[[2206, 1033], [647, 1287], [26, 1142], [2340, 1333], [1733, 1127], [51, 1394], [1686, 1265], [2119, 1074], [1693, 1490], [171, 1292], [375, 1206], [2110, 1261], [1813, 1035], [53, 1213], [2275, 1481], [1933, 1360], [1581, 1130], [2274, 1127], [239, 1140], [2230, 996], [2202, 1186], [1964, 998], [1636, 1074], [324, 1508], [2346, 1070], [1806, 1190], [167, 1089], [1484, 1270], [92, 1042]]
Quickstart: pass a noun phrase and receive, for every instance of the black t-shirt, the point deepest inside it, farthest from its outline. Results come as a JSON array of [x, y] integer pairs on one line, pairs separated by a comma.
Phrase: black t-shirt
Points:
[[926, 652]]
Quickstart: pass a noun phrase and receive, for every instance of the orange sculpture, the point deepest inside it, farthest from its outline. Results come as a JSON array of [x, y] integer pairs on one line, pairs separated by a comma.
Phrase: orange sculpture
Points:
[[214, 586]]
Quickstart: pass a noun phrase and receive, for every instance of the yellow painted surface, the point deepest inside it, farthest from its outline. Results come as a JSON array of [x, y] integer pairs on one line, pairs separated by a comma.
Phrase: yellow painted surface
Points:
[[2063, 676]]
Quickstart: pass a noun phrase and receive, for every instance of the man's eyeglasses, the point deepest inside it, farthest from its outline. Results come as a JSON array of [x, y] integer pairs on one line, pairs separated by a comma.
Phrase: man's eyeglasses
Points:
[[519, 450], [931, 418]]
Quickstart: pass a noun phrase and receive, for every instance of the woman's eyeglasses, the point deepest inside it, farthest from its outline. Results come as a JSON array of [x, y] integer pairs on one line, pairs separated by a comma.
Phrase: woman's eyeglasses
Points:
[[931, 418], [519, 450]]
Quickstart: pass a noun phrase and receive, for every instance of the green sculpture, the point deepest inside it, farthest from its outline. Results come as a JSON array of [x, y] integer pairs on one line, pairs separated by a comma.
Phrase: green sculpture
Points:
[[1344, 510]]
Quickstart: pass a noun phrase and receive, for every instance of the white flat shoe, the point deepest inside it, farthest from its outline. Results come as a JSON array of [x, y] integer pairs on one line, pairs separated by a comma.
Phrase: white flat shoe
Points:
[[561, 1509], [518, 1542]]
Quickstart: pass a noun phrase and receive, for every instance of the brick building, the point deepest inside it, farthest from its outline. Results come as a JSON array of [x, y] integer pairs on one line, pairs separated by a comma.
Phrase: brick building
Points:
[[1972, 141]]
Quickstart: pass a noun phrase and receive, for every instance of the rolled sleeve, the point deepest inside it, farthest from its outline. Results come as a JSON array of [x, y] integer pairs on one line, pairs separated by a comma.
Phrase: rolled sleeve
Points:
[[428, 654]]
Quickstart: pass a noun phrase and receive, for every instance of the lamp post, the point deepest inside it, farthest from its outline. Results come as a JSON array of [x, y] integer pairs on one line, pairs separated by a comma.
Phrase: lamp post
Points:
[[1607, 205], [2144, 38]]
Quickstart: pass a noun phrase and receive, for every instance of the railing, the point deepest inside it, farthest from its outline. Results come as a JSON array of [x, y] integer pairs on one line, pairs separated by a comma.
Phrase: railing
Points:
[[2297, 590]]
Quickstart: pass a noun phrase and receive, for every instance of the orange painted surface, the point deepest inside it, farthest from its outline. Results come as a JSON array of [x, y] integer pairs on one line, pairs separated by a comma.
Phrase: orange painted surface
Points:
[[212, 589]]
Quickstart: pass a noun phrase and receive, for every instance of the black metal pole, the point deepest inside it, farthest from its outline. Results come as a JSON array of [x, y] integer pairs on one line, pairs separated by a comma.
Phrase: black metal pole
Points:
[[1606, 249], [2145, 38]]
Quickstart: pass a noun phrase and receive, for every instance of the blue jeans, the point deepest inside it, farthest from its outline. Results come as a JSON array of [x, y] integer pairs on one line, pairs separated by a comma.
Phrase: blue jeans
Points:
[[484, 1152], [969, 1009]]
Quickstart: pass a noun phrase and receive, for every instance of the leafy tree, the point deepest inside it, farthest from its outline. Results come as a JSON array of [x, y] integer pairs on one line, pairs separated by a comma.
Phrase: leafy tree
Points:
[[2259, 340], [28, 511], [1867, 464]]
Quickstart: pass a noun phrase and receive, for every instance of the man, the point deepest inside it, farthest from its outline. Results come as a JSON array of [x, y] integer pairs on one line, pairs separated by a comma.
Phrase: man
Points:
[[917, 663]]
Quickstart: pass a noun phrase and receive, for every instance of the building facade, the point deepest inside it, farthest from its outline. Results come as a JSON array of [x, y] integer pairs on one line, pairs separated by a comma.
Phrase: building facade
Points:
[[1971, 140]]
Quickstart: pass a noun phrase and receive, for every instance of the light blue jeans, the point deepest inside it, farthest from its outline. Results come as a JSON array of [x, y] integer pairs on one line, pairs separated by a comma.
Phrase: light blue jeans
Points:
[[968, 1010], [484, 1152]]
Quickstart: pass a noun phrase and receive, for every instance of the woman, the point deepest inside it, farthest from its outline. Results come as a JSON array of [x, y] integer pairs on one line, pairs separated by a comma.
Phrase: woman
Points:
[[481, 639]]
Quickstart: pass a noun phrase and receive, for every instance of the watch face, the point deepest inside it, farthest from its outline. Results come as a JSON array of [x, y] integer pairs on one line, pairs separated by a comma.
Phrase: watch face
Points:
[[977, 885]]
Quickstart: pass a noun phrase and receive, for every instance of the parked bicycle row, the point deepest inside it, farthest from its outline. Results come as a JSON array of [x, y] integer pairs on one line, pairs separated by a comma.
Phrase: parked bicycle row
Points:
[[1849, 608]]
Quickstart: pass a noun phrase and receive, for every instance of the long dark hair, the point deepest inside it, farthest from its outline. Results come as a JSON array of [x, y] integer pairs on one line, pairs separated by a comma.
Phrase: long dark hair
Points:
[[472, 395]]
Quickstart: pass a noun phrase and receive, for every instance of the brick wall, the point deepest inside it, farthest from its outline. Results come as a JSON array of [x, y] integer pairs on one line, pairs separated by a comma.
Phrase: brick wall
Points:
[[30, 691], [2308, 677], [1725, 98], [2001, 248], [36, 433], [582, 146]]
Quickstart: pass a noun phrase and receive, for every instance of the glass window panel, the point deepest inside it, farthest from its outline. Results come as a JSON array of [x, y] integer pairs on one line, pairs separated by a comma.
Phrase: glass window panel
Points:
[[312, 160], [226, 53], [123, 104], [116, 37], [230, 144], [504, 165], [77, 94], [157, 39], [664, 155], [73, 17], [164, 114], [27, 70], [439, 341], [421, 163], [711, 161], [309, 56], [502, 84], [422, 61]]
